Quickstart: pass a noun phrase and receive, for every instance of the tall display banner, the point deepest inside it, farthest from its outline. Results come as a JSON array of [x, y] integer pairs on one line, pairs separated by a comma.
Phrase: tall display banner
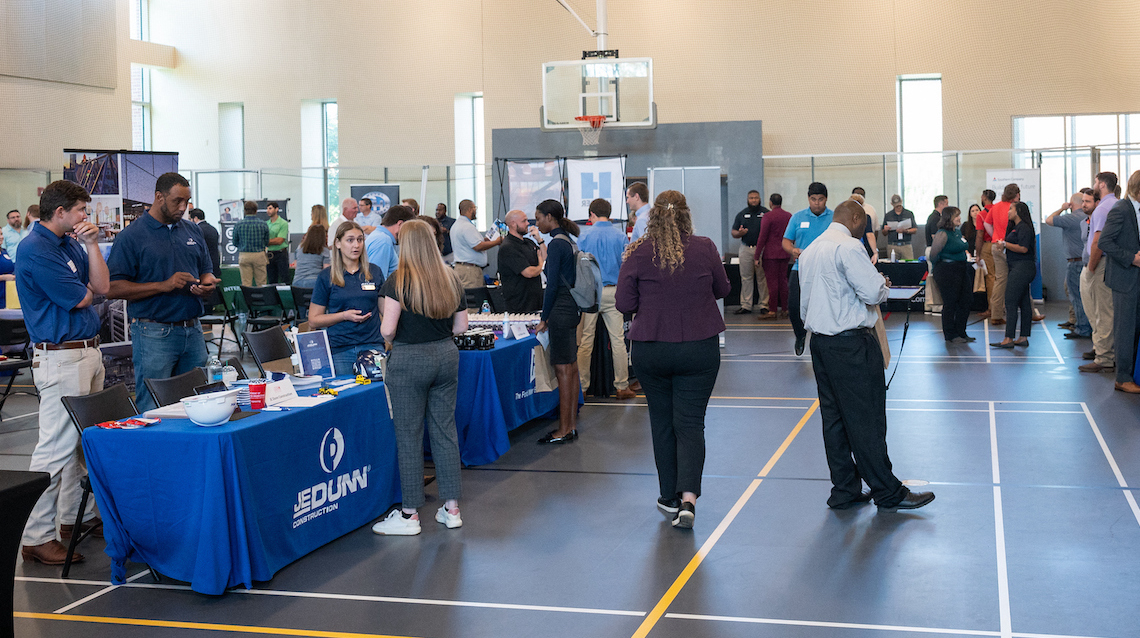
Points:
[[383, 196], [590, 179], [1029, 181], [121, 183], [532, 182]]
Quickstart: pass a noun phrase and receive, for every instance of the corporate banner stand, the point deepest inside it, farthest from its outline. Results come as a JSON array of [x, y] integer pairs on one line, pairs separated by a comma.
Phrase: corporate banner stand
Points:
[[383, 196], [590, 179], [1029, 181]]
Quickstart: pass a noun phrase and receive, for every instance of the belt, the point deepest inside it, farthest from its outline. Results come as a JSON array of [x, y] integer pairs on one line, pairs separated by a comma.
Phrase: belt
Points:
[[189, 323], [93, 342], [899, 243], [1076, 259], [854, 332], [464, 263]]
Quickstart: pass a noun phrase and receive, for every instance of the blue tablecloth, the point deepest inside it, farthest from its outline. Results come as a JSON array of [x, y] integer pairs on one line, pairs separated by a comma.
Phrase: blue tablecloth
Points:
[[496, 395], [225, 506]]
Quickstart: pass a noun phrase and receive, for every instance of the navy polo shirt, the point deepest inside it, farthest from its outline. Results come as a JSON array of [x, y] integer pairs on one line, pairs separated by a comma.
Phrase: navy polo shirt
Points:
[[148, 251], [355, 294], [51, 278]]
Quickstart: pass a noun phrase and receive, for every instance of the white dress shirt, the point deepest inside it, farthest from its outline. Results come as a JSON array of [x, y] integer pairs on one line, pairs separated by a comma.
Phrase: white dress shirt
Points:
[[335, 226], [464, 238], [837, 283], [642, 223]]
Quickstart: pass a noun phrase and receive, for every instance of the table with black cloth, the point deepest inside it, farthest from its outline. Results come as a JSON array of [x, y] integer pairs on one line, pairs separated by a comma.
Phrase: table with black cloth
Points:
[[231, 505], [496, 395], [19, 492], [904, 273]]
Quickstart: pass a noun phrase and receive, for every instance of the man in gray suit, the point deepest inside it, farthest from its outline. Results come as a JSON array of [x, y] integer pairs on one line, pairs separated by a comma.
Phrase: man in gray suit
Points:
[[1120, 242]]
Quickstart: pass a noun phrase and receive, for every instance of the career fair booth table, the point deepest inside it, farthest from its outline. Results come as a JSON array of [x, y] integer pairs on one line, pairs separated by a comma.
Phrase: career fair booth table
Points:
[[229, 505]]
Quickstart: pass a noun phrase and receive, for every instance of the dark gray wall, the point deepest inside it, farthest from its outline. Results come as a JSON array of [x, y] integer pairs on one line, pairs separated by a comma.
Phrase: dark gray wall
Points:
[[737, 147]]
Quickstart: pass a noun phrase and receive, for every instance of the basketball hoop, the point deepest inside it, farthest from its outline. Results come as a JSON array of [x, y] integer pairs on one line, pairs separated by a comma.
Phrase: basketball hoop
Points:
[[591, 128]]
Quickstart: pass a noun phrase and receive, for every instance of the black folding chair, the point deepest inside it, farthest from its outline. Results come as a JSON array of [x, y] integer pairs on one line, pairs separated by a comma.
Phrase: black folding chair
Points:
[[268, 345], [172, 390], [14, 332], [214, 303], [111, 404], [301, 299], [233, 361]]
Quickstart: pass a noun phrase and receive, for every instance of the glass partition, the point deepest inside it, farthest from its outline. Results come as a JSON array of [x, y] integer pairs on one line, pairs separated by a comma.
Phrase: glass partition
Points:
[[19, 188]]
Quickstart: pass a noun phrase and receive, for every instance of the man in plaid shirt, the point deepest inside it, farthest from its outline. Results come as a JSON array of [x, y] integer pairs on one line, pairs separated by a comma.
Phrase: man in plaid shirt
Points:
[[251, 236]]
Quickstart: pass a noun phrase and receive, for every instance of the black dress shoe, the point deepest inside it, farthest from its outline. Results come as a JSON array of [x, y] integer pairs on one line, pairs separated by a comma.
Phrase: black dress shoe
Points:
[[742, 311], [1073, 335], [1067, 324], [670, 505], [912, 501], [1024, 343], [550, 438], [1004, 346], [800, 342], [864, 497], [968, 338]]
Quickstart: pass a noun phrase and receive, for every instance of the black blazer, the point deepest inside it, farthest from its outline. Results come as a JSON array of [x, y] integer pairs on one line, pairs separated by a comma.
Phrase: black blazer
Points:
[[1120, 241]]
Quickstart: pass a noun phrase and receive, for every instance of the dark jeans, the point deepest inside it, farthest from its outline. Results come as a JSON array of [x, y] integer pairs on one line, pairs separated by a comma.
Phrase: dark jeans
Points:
[[161, 351], [1125, 330], [794, 305], [678, 380], [1017, 298], [776, 274], [853, 407], [955, 281], [277, 270]]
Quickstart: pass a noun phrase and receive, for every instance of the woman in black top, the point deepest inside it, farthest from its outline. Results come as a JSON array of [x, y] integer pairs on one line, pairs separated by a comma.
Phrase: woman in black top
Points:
[[560, 315], [1021, 253], [970, 227]]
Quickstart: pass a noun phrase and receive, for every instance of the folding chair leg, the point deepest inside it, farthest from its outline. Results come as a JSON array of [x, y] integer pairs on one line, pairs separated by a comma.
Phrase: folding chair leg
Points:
[[76, 532], [7, 391]]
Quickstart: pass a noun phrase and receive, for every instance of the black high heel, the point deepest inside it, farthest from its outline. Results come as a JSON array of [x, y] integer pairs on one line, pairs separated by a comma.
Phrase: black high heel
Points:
[[550, 438]]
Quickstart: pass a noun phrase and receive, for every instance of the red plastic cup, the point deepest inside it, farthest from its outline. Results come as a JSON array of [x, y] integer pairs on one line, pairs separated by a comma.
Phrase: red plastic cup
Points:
[[257, 394]]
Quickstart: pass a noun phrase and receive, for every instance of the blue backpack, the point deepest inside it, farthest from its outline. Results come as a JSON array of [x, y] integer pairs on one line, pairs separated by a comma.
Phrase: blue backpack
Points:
[[587, 288]]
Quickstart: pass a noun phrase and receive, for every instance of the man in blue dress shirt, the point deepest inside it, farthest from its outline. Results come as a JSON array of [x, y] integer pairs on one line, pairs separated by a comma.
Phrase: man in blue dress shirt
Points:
[[14, 232], [161, 266], [637, 198], [381, 243], [607, 244], [803, 228], [58, 282]]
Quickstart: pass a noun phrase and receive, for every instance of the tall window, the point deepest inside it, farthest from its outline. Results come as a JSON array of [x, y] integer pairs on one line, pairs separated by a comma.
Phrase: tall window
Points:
[[141, 138], [331, 157], [920, 139], [140, 20], [470, 153], [1070, 140]]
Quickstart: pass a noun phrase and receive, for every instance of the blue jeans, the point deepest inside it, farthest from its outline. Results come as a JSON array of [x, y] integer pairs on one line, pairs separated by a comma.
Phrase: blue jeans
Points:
[[343, 358], [161, 351], [1073, 283]]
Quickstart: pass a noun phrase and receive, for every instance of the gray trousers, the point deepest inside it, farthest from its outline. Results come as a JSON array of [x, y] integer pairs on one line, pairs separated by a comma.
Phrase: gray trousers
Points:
[[422, 379]]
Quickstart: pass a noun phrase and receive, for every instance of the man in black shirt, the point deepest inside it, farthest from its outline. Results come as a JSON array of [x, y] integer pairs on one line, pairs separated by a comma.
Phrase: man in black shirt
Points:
[[520, 265], [933, 301], [213, 240], [746, 228], [446, 222], [898, 241]]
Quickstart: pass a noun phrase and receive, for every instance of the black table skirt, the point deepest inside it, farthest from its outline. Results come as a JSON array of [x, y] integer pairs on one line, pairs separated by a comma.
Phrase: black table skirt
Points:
[[19, 492]]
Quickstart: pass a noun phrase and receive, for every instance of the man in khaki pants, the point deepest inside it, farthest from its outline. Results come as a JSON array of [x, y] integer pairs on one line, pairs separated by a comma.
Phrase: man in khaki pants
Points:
[[606, 243], [984, 249], [1095, 294], [996, 219], [470, 246], [251, 236], [746, 228]]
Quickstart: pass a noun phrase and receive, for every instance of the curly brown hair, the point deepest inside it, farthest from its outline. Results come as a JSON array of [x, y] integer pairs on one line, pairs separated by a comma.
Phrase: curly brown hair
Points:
[[670, 225]]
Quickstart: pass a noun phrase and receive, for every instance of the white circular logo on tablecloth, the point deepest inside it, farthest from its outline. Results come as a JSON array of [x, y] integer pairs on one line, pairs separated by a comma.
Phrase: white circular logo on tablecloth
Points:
[[332, 450]]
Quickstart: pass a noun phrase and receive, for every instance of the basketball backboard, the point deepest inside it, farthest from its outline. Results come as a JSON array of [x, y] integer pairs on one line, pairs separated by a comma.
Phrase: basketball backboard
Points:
[[621, 89]]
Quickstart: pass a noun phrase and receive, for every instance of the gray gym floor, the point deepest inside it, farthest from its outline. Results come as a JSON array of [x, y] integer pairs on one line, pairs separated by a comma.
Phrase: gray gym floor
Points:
[[1035, 532]]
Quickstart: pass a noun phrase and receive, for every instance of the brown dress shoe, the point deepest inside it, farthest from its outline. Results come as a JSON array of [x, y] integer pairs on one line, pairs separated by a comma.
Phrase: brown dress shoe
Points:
[[997, 322], [50, 553], [984, 314], [1095, 367], [626, 393], [95, 525], [1128, 386], [1089, 356], [635, 386], [767, 316]]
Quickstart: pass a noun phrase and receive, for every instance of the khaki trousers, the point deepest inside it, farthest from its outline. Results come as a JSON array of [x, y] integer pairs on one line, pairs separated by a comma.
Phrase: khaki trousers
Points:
[[470, 276], [747, 255], [252, 267], [933, 301], [903, 252], [60, 373], [1097, 299], [613, 319], [987, 256], [1001, 274]]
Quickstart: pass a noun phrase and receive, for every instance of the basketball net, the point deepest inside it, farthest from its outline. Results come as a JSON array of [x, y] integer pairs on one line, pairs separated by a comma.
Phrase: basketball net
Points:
[[591, 128]]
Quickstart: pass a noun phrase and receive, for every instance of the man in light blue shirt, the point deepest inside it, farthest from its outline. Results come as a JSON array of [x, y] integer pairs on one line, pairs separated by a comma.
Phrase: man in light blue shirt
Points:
[[368, 219], [13, 233], [802, 230], [607, 244], [470, 246], [637, 198], [381, 243]]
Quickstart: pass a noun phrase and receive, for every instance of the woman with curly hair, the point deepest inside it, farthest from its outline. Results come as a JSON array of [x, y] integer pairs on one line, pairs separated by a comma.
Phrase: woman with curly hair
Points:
[[672, 278]]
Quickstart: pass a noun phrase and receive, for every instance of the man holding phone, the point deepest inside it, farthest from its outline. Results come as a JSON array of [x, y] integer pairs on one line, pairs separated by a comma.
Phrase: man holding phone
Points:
[[161, 266]]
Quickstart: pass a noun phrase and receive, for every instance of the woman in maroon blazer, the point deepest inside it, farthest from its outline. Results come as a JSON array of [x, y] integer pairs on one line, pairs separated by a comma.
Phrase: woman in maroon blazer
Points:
[[671, 279]]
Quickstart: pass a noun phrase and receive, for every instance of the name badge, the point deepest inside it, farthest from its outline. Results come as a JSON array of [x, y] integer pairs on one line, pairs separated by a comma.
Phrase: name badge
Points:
[[71, 265], [805, 224], [367, 285]]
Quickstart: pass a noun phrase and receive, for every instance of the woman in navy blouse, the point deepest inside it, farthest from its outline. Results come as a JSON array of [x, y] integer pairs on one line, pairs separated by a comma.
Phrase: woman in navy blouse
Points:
[[560, 315], [346, 300], [672, 279], [1020, 246]]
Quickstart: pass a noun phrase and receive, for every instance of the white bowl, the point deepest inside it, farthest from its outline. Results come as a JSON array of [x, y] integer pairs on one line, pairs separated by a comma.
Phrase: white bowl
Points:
[[209, 410]]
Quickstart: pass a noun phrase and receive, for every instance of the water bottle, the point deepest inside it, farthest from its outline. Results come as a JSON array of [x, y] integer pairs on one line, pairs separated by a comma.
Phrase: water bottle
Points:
[[213, 370], [894, 257], [506, 325], [486, 308], [229, 375]]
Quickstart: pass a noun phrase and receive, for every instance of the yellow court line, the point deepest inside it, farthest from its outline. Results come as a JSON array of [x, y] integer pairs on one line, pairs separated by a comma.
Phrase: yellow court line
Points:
[[171, 624], [663, 605], [770, 398]]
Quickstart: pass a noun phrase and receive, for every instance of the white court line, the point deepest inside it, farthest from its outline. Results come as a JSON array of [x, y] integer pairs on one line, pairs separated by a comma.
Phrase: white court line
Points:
[[1112, 462], [833, 625], [999, 534], [1048, 336], [20, 416], [86, 599], [986, 339]]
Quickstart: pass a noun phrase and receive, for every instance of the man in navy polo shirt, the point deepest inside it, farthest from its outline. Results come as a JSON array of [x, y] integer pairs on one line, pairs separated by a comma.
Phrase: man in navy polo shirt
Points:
[[58, 281], [161, 266]]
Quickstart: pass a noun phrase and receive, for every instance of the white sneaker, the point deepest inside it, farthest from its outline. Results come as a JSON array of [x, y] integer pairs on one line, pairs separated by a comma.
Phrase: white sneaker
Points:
[[394, 524], [447, 518]]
